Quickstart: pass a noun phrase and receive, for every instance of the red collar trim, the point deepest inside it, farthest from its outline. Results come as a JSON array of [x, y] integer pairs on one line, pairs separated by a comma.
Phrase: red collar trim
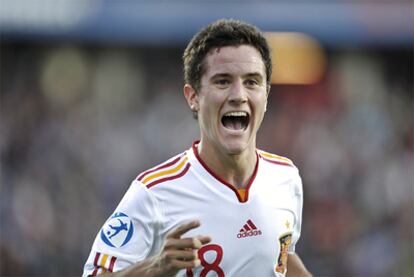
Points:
[[230, 186]]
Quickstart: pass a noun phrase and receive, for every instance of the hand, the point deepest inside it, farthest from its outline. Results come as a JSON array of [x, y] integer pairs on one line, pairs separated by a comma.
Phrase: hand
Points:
[[180, 253]]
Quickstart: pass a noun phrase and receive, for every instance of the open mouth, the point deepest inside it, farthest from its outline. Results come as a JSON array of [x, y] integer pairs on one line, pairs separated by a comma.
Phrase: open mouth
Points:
[[235, 120]]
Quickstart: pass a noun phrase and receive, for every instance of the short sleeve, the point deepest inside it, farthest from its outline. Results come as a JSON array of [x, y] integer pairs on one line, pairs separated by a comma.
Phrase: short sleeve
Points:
[[298, 206], [127, 236]]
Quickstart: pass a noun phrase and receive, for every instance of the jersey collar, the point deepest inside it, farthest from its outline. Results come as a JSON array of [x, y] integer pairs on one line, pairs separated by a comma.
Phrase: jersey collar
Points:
[[241, 199]]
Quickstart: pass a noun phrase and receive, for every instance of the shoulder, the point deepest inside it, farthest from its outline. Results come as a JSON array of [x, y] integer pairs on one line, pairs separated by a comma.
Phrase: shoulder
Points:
[[275, 159], [171, 169], [281, 168]]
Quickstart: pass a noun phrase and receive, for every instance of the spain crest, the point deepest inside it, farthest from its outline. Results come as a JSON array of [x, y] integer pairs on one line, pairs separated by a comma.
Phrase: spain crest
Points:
[[284, 242]]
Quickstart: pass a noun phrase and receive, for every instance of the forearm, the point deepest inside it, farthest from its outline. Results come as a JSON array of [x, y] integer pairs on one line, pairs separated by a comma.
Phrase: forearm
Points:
[[147, 268], [177, 253], [296, 268]]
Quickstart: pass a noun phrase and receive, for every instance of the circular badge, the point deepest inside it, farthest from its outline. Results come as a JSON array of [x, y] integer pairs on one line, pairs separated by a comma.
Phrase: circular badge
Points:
[[118, 230]]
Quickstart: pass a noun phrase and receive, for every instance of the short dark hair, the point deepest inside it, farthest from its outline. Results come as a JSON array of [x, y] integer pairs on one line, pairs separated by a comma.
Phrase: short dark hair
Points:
[[224, 32]]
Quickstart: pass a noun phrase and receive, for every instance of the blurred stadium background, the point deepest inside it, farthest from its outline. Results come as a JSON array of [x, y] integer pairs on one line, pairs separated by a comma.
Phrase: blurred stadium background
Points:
[[91, 95]]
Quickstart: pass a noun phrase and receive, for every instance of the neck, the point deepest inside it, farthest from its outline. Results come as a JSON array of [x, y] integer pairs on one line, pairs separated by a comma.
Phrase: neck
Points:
[[235, 169]]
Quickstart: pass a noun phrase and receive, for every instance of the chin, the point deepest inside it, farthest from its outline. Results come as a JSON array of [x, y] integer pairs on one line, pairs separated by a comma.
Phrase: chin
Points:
[[235, 148]]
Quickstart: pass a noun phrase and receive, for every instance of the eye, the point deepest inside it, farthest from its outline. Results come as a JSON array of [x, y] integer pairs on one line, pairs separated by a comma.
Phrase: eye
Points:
[[251, 82], [222, 82]]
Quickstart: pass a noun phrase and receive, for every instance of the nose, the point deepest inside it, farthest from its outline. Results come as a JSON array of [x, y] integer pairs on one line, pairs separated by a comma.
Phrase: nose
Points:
[[238, 93]]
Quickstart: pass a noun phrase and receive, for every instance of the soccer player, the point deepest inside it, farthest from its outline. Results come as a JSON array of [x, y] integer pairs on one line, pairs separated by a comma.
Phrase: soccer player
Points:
[[222, 207]]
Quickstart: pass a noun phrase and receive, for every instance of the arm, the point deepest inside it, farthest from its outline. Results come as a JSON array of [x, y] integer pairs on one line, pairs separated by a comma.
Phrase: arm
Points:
[[177, 253], [296, 268]]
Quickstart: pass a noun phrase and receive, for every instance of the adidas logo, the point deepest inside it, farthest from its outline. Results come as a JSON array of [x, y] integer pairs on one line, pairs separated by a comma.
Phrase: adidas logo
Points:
[[249, 230]]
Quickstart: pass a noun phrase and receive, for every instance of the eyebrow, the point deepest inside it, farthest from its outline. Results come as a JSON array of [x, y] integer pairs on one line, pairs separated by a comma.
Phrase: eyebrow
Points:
[[226, 75], [220, 75], [254, 74]]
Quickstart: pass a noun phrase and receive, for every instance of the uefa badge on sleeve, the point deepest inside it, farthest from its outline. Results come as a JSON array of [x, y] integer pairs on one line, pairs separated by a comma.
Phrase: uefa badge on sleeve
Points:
[[118, 230]]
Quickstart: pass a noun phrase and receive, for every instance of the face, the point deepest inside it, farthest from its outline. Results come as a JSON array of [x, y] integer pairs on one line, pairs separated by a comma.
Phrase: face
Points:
[[232, 99]]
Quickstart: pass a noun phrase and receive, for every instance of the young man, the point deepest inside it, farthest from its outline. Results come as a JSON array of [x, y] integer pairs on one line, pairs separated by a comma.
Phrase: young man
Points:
[[223, 207]]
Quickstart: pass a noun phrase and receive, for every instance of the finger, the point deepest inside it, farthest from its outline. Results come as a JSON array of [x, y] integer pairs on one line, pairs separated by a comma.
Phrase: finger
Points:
[[184, 243], [204, 239], [183, 228], [186, 264], [183, 255]]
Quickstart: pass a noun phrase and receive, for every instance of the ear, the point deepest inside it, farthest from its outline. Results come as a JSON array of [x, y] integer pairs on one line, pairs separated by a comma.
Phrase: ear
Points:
[[192, 97], [267, 97]]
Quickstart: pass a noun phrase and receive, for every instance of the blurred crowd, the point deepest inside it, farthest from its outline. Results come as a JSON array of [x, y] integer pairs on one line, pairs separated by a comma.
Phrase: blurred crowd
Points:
[[78, 123]]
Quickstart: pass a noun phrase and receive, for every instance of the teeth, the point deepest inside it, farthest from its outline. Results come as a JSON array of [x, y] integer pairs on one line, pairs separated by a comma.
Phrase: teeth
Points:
[[236, 114]]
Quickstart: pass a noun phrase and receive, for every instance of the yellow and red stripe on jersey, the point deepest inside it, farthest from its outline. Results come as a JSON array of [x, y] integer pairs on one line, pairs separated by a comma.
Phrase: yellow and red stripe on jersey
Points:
[[103, 263], [272, 158], [165, 172]]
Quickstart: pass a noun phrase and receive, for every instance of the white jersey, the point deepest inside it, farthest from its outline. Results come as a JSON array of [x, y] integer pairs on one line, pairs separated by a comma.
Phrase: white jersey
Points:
[[252, 231]]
